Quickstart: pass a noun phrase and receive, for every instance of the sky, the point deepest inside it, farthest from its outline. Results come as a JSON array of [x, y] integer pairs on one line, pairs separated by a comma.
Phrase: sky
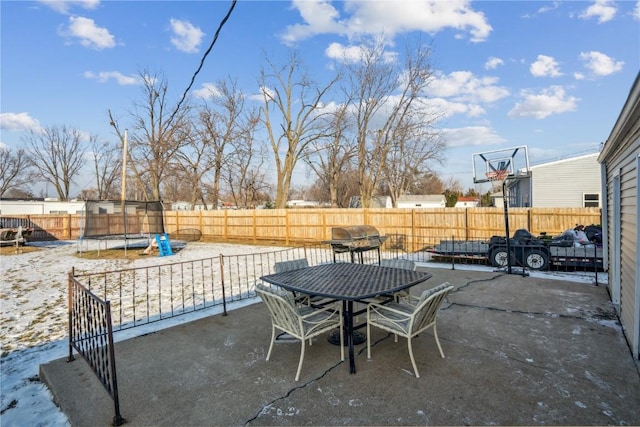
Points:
[[552, 76], [33, 326]]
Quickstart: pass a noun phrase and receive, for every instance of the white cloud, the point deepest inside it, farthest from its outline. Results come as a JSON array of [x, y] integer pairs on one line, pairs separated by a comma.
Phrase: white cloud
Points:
[[88, 33], [552, 100], [636, 11], [186, 37], [547, 8], [545, 66], [375, 17], [471, 136], [464, 86], [354, 53], [105, 76], [600, 64], [18, 122], [604, 10], [493, 63], [63, 6], [207, 91]]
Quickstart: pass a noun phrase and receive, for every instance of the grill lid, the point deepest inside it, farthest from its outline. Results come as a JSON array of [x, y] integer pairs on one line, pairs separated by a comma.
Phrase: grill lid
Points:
[[354, 232]]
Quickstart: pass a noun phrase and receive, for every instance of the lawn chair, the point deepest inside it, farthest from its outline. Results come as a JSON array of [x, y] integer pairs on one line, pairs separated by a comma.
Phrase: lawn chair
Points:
[[408, 319], [303, 323], [295, 264], [405, 264]]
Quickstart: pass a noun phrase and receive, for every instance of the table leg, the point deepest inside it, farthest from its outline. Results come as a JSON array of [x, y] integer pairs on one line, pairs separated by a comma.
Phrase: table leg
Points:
[[349, 320]]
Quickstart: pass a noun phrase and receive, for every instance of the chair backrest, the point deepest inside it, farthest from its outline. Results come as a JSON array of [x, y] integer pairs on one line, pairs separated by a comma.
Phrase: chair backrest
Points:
[[282, 307], [430, 302], [405, 264], [293, 264]]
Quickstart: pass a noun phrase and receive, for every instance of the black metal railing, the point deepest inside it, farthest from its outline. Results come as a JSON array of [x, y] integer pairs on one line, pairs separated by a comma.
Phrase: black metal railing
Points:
[[528, 255], [143, 295], [91, 335]]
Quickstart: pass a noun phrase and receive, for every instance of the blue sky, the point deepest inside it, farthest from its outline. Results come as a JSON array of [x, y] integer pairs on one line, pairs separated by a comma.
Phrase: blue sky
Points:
[[552, 76]]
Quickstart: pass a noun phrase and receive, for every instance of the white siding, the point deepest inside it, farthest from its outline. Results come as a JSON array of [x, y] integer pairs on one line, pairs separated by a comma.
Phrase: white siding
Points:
[[620, 159], [562, 184]]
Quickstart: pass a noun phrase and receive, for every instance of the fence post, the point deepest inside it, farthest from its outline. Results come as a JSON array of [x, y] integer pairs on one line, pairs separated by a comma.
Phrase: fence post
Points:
[[224, 296]]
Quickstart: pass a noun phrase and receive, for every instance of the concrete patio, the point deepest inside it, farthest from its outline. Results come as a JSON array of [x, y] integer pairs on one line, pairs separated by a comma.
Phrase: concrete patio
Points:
[[519, 351]]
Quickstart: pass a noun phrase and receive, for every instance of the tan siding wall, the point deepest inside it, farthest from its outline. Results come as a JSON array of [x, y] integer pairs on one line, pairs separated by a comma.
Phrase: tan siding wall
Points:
[[629, 236]]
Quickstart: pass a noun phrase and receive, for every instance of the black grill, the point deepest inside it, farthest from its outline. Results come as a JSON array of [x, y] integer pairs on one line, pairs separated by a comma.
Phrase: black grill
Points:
[[356, 239]]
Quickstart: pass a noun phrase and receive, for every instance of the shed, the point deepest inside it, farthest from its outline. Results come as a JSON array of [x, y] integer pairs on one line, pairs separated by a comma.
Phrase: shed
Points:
[[422, 201], [620, 160], [467, 202], [580, 184]]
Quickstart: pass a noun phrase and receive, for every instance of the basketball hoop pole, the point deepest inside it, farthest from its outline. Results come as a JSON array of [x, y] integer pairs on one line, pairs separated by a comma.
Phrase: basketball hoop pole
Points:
[[505, 202]]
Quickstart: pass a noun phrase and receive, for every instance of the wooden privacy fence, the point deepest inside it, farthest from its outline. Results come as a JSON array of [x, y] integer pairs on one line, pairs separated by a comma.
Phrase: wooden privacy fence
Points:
[[294, 226]]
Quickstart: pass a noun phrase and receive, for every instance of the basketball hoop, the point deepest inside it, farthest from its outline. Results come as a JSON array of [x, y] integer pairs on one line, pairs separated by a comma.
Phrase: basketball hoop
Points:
[[497, 175]]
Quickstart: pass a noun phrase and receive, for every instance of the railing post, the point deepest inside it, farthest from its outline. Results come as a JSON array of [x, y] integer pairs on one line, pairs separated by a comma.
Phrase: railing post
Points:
[[224, 296]]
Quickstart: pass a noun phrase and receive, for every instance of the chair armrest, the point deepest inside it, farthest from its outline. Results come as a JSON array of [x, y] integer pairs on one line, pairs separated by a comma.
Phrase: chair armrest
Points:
[[335, 308], [381, 309]]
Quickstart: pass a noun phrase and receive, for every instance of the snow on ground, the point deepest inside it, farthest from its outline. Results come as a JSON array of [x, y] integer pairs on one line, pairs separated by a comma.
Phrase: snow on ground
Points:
[[33, 316]]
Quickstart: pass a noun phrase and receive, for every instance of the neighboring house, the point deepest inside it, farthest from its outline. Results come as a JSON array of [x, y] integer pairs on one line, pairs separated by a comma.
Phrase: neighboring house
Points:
[[620, 160], [467, 202], [302, 204], [376, 202], [405, 201], [569, 183], [40, 207], [424, 201]]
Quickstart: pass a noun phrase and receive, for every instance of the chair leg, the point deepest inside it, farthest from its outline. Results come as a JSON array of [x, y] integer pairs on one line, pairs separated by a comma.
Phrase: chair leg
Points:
[[368, 340], [273, 338], [413, 361], [302, 342], [435, 334], [341, 342]]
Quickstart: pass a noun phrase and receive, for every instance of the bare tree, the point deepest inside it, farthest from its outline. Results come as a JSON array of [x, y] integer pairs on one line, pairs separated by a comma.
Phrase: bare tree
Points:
[[330, 157], [287, 91], [391, 120], [107, 167], [14, 170], [57, 156], [244, 175], [222, 122], [154, 139]]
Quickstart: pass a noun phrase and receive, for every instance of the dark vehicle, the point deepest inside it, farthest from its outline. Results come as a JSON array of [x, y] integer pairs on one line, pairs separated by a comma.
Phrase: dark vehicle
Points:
[[529, 251], [540, 253]]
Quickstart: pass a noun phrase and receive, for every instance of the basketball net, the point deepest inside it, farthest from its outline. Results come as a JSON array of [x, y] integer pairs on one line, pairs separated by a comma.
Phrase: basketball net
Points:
[[497, 175]]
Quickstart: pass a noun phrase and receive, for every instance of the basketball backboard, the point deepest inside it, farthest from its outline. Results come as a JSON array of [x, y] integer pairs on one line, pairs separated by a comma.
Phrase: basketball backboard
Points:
[[498, 165]]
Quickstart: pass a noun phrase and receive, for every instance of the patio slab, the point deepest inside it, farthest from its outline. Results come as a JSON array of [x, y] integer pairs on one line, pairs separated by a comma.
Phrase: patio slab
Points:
[[519, 351]]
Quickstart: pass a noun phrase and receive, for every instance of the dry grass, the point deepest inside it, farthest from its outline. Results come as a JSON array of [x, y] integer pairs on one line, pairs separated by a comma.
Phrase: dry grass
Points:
[[12, 250], [115, 254]]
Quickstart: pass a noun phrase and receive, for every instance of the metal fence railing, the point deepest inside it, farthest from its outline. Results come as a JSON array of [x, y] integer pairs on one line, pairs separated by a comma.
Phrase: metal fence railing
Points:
[[143, 295], [91, 335], [531, 255]]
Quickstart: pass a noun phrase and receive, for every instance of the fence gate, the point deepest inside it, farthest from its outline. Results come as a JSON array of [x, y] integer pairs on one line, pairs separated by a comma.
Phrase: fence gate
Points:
[[91, 334]]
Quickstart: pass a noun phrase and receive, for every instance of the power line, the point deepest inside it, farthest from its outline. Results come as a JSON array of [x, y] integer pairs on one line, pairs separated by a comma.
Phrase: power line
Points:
[[206, 53]]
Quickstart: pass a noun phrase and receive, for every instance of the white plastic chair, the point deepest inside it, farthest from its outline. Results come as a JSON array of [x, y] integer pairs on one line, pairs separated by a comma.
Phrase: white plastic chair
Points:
[[303, 323], [407, 319]]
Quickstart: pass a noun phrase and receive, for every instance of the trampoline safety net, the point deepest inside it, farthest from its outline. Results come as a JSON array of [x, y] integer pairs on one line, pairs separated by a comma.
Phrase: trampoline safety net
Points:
[[106, 219]]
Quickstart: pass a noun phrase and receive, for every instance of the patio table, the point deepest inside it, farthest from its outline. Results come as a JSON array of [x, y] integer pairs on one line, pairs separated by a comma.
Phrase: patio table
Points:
[[349, 283]]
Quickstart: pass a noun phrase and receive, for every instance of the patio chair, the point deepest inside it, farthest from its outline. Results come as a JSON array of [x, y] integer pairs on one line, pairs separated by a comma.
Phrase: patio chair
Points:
[[405, 264], [408, 319], [294, 264], [303, 323]]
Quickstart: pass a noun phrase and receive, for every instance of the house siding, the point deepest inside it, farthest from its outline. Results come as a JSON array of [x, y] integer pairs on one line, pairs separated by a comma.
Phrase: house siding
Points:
[[620, 158], [563, 184]]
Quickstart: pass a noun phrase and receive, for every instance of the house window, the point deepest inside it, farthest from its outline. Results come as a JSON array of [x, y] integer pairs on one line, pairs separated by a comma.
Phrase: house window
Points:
[[591, 200]]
